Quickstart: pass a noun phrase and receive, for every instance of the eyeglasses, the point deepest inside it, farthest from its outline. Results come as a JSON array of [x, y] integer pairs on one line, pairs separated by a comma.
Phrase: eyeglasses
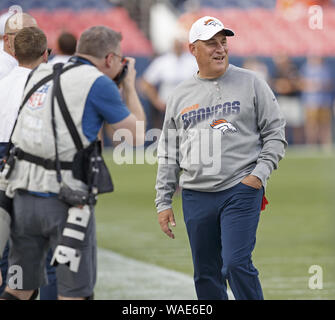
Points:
[[48, 50], [121, 57]]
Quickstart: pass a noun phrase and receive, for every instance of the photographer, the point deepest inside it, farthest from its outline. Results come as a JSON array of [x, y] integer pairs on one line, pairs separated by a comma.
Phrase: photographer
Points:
[[47, 207]]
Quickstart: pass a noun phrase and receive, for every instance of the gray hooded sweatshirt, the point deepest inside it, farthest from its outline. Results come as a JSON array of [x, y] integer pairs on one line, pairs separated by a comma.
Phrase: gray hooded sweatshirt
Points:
[[218, 131]]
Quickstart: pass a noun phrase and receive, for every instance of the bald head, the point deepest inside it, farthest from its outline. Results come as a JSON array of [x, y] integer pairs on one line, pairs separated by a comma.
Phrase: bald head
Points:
[[19, 21], [13, 25]]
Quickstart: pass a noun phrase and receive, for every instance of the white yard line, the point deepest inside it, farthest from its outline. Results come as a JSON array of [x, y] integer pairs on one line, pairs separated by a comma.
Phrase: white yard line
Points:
[[308, 260], [306, 151], [122, 278]]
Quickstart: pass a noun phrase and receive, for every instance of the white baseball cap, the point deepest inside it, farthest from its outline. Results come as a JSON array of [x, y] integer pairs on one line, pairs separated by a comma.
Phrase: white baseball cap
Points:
[[206, 27]]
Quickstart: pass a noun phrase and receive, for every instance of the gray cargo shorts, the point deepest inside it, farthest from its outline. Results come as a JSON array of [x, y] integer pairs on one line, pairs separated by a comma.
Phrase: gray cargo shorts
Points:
[[37, 225]]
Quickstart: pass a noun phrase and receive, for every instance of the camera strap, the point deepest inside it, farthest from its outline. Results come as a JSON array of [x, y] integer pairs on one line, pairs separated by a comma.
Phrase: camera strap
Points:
[[66, 114], [57, 93], [56, 74]]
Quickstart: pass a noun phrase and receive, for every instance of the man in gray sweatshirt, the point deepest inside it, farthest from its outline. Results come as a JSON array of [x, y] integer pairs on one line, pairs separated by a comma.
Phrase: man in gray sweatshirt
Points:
[[222, 137]]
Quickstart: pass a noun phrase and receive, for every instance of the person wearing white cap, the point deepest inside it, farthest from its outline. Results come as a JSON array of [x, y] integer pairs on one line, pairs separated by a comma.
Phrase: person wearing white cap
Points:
[[3, 20], [223, 135], [13, 25]]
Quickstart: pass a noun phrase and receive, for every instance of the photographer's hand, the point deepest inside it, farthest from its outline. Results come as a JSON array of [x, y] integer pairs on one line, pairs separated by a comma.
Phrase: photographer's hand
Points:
[[135, 122], [129, 92], [128, 83]]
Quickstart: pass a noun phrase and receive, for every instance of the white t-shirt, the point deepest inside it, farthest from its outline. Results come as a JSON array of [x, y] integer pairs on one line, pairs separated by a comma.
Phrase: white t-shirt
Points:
[[7, 63], [11, 92], [168, 70]]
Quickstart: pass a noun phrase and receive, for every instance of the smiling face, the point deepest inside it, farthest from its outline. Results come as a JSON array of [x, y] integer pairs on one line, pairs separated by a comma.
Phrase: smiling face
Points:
[[211, 56]]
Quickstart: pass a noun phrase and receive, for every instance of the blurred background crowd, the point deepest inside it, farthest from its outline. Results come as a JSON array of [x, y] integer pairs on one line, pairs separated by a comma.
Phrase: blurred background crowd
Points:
[[290, 43]]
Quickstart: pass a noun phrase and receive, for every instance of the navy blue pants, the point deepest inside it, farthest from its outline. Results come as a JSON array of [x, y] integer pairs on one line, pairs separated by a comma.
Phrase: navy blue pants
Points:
[[47, 292], [221, 227]]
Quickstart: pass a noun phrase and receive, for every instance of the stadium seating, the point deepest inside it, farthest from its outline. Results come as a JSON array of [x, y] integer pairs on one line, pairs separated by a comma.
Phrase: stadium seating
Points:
[[52, 22], [263, 32], [242, 4], [260, 30], [56, 4]]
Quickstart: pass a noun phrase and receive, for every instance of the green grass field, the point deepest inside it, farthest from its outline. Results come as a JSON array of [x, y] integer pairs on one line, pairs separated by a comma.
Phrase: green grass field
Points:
[[295, 232]]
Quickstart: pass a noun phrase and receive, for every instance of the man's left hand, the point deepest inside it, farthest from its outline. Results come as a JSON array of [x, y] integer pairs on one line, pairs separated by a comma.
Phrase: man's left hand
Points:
[[129, 81], [252, 181]]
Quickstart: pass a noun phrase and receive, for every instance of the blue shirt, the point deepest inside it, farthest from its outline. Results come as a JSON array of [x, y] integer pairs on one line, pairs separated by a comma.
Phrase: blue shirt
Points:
[[103, 103]]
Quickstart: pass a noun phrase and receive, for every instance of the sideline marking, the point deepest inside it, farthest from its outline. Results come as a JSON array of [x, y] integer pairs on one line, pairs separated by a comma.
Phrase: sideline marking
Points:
[[122, 278]]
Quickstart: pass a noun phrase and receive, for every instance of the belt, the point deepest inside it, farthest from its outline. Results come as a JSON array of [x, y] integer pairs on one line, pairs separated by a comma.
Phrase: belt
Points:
[[45, 163]]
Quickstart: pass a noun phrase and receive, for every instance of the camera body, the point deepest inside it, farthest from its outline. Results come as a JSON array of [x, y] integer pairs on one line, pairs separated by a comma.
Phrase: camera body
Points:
[[75, 197], [120, 76]]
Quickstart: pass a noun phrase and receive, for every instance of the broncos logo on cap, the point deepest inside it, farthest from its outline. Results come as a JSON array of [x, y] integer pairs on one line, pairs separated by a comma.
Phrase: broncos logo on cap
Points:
[[223, 125], [211, 22]]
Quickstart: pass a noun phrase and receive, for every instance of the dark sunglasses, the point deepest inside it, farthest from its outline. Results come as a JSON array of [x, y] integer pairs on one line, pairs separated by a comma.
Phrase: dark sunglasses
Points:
[[49, 52]]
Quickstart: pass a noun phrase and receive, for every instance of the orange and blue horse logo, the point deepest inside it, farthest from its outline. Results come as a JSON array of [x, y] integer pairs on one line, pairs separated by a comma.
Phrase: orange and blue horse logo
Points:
[[223, 125], [211, 22]]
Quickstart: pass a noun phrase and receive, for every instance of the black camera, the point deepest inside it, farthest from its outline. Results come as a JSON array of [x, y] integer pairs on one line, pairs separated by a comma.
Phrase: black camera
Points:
[[120, 76], [75, 197]]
